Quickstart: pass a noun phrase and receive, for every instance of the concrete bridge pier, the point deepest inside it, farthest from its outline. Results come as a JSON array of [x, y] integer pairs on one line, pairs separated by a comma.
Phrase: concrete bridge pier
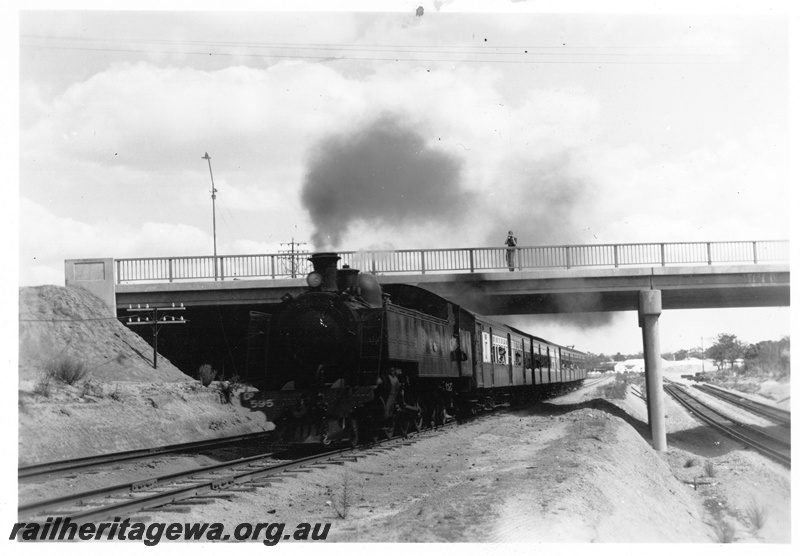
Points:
[[649, 311]]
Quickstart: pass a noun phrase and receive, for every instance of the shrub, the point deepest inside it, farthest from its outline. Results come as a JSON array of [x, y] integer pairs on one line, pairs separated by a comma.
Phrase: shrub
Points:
[[44, 385], [67, 369], [691, 462], [726, 533], [228, 388], [756, 515], [343, 500], [116, 395], [206, 374]]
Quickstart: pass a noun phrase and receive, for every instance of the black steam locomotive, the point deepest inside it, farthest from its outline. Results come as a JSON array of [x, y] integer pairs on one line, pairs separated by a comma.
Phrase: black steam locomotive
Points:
[[351, 359]]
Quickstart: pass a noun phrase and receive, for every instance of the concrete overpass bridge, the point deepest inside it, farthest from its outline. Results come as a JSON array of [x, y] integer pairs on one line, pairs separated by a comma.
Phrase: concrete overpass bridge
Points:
[[550, 279], [491, 281]]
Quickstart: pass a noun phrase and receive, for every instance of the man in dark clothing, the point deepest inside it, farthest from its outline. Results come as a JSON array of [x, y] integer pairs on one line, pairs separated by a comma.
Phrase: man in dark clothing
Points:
[[511, 252]]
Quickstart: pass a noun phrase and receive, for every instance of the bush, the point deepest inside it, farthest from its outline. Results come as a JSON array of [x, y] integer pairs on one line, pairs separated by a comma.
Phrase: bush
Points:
[[725, 532], [228, 388], [206, 374], [44, 385], [344, 499], [756, 515], [67, 369]]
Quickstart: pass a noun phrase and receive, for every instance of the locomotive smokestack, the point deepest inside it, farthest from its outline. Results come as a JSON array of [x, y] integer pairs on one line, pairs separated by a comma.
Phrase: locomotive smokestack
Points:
[[325, 266]]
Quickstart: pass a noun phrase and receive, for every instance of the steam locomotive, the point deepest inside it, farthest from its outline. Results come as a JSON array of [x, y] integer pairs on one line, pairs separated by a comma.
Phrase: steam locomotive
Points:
[[350, 359]]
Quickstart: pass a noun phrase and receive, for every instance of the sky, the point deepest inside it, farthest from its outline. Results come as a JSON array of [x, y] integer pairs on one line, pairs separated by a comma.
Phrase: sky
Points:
[[667, 124]]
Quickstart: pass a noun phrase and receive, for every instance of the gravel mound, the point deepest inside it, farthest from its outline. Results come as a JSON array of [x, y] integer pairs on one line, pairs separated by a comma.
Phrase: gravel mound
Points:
[[70, 322], [122, 403]]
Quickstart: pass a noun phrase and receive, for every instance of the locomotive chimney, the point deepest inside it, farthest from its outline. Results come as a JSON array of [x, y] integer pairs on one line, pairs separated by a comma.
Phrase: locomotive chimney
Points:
[[325, 266]]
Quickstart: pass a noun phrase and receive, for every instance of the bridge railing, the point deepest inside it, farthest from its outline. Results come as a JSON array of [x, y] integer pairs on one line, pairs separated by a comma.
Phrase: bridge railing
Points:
[[478, 259]]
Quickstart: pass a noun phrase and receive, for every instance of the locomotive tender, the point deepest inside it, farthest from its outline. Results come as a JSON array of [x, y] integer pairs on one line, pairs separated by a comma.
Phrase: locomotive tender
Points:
[[350, 358]]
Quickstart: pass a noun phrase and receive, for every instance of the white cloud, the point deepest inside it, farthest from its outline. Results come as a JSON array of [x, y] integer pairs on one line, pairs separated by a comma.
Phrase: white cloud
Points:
[[44, 248]]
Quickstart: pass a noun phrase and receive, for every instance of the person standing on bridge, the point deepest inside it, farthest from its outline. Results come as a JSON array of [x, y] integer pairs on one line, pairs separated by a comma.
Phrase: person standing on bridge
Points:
[[511, 252]]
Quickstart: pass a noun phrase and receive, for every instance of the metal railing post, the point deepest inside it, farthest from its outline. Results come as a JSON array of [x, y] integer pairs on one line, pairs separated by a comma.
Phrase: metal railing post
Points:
[[195, 268]]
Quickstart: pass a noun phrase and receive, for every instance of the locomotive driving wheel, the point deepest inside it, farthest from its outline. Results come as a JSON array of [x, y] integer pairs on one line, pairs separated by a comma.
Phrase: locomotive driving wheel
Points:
[[440, 415], [410, 422]]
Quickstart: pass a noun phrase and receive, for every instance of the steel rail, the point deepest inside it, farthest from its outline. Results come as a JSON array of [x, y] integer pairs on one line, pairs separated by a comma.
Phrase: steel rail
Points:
[[707, 415], [134, 486], [103, 459], [774, 414], [118, 509], [203, 485], [752, 430]]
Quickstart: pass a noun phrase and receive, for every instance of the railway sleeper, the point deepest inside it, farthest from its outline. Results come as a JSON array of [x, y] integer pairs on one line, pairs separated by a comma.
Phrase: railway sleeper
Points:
[[222, 483], [143, 485]]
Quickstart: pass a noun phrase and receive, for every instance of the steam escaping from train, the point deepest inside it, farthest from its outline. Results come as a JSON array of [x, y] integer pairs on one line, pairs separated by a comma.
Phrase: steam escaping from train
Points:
[[384, 173]]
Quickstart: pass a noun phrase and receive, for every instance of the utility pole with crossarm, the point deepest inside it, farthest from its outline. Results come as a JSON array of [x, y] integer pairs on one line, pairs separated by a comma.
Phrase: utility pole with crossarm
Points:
[[151, 318]]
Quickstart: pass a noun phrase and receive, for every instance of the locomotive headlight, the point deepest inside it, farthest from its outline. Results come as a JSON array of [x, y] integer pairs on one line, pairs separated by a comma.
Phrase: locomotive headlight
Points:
[[314, 279]]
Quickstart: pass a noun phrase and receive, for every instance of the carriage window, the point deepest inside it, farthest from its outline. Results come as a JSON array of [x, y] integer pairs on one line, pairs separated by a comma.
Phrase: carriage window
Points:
[[487, 348], [500, 349], [516, 351]]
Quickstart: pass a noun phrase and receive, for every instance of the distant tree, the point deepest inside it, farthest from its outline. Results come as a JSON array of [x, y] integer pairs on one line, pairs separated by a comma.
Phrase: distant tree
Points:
[[726, 348], [593, 361], [681, 354], [769, 357], [696, 352]]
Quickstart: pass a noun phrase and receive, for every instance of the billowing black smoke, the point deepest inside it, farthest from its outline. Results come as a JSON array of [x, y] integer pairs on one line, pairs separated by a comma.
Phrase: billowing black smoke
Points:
[[385, 173]]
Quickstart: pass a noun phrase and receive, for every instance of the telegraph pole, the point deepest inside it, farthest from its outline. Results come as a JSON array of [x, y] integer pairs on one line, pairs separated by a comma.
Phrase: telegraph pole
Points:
[[293, 263], [152, 312], [213, 210], [702, 355]]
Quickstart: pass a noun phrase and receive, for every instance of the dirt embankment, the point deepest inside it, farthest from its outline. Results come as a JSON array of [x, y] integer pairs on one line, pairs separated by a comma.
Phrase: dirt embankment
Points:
[[122, 402], [577, 472]]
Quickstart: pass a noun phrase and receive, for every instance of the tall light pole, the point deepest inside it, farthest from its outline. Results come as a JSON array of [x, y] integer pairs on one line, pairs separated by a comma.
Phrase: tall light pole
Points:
[[213, 210]]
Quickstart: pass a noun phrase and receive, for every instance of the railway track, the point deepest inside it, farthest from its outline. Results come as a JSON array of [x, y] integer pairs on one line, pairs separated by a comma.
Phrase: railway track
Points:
[[777, 449], [80, 464], [191, 486], [774, 414], [194, 486]]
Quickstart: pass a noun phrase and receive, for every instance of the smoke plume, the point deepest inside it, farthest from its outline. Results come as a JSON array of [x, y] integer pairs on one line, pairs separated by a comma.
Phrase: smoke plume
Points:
[[385, 173]]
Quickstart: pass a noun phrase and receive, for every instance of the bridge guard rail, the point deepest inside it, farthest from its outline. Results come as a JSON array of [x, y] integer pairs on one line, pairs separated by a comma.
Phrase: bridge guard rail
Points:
[[478, 259]]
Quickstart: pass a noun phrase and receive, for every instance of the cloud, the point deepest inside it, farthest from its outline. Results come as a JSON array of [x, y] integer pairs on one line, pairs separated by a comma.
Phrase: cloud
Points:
[[44, 249]]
